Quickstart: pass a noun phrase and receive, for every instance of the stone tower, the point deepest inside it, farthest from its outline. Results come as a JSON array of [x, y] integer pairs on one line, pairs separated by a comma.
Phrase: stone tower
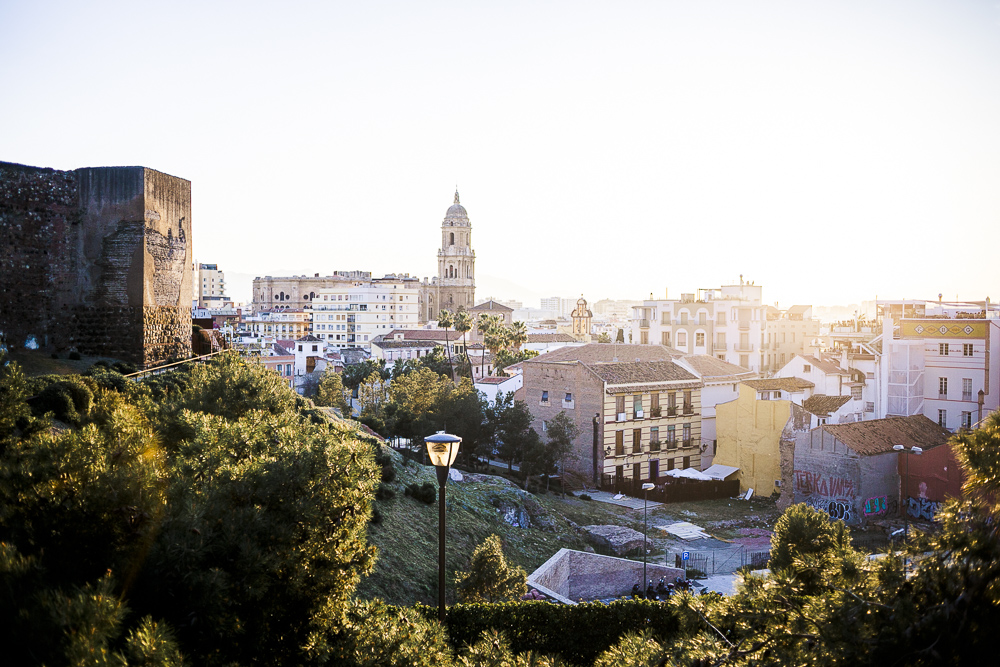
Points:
[[582, 318], [456, 260]]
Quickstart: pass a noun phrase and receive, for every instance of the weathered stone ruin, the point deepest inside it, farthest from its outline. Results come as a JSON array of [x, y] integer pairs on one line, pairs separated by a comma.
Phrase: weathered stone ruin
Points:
[[96, 259]]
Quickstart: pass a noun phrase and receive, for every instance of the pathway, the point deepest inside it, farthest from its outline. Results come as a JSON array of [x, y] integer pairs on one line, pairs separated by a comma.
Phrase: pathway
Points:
[[623, 501]]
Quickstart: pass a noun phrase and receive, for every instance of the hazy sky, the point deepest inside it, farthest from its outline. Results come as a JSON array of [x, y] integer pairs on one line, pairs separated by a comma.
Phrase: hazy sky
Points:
[[829, 151]]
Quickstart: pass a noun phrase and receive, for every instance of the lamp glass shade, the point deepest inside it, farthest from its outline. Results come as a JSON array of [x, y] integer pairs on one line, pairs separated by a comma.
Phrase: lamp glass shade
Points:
[[442, 448], [647, 486]]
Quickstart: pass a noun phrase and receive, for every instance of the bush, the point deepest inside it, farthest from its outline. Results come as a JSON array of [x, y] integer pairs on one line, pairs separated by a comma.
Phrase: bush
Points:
[[384, 492], [105, 378], [55, 356], [425, 492], [585, 496], [376, 516], [74, 356], [68, 400], [124, 367], [578, 634]]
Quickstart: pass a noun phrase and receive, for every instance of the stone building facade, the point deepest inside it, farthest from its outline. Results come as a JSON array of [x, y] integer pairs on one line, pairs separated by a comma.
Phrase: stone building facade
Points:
[[97, 259], [298, 292]]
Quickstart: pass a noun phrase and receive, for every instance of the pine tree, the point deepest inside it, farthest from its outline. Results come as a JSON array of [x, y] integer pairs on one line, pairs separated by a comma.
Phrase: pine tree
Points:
[[490, 578]]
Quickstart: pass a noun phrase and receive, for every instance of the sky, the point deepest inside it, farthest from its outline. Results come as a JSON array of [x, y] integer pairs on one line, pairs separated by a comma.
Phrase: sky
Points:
[[831, 152]]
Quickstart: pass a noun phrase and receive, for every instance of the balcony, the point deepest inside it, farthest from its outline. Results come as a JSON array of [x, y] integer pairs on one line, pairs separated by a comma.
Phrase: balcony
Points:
[[967, 396], [688, 409], [655, 412], [719, 347], [672, 411], [744, 326], [745, 348], [671, 444], [643, 324], [654, 445], [686, 443], [943, 395]]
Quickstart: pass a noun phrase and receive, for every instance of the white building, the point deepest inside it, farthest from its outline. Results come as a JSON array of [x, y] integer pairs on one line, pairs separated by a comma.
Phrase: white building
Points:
[[278, 324], [728, 323], [352, 315], [210, 287], [946, 368]]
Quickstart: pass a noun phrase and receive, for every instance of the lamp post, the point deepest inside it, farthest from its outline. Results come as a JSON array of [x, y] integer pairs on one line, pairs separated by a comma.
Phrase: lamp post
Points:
[[905, 485], [645, 492], [442, 448]]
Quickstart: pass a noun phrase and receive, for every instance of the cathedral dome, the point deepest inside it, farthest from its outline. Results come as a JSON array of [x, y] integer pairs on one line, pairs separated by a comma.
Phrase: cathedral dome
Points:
[[456, 210]]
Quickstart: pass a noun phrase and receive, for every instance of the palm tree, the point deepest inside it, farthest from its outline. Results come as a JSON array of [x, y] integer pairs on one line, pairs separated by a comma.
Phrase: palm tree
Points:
[[495, 337], [483, 325], [463, 324], [445, 321], [518, 335]]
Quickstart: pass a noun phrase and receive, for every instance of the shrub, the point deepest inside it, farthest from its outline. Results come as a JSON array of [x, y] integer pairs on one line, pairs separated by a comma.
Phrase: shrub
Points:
[[384, 492], [55, 356], [74, 356], [69, 400], [490, 578], [425, 493], [801, 531], [585, 496], [125, 367], [577, 634]]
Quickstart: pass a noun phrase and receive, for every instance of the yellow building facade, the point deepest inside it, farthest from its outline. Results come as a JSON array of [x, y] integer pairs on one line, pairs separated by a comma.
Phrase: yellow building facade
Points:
[[757, 436]]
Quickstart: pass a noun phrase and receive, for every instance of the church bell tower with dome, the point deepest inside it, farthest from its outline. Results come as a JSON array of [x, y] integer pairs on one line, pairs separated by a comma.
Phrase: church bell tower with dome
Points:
[[454, 287]]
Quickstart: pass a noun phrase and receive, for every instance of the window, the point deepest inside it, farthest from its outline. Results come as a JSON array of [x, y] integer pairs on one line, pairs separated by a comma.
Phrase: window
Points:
[[720, 318], [943, 349], [637, 441], [644, 337], [452, 239], [671, 437], [943, 418], [288, 369], [569, 397], [545, 397], [619, 443], [654, 470], [688, 405], [966, 389], [672, 404], [806, 368], [545, 426], [654, 403], [699, 339], [744, 361], [315, 348], [636, 471], [856, 393], [686, 435], [670, 464], [665, 338], [765, 396], [720, 340], [654, 439], [942, 387], [870, 406], [687, 462], [619, 472], [967, 349], [967, 420], [684, 317], [637, 406], [682, 339], [619, 405], [701, 317]]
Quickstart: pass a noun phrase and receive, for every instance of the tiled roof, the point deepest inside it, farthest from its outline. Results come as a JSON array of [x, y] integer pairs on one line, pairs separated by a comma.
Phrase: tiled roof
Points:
[[492, 379], [799, 310], [308, 338], [784, 384], [877, 436], [822, 405], [714, 370], [280, 350], [640, 372], [607, 352], [550, 338], [828, 366], [492, 305]]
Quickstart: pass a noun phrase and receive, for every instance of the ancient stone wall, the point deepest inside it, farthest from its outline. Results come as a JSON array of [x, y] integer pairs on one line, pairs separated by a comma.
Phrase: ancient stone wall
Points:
[[96, 259]]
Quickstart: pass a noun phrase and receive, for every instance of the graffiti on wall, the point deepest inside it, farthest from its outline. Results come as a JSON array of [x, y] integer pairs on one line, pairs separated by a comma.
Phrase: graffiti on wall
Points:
[[836, 509], [922, 508], [809, 483], [876, 505]]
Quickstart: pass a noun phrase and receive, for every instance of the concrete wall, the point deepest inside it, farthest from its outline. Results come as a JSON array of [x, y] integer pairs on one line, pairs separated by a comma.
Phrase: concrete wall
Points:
[[97, 259], [578, 575]]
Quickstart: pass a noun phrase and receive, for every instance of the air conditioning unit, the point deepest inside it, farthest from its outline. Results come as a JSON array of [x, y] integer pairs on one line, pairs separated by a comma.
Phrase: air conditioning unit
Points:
[[638, 414], [777, 482], [621, 416]]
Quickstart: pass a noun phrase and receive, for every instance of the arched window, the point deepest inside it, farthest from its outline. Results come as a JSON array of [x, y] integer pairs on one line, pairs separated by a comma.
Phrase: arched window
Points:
[[452, 239]]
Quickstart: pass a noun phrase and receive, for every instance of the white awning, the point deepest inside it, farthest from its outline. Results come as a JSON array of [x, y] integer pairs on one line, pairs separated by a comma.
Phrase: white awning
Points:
[[720, 472], [689, 473]]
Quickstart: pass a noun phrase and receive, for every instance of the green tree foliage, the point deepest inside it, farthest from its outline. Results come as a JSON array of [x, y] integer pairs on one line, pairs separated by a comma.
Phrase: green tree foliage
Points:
[[506, 427], [803, 531], [220, 523], [377, 635], [437, 362], [490, 578], [562, 431], [355, 374], [603, 338], [331, 392], [446, 321]]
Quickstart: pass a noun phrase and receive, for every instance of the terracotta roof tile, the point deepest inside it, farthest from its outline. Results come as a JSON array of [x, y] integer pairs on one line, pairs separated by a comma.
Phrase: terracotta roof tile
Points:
[[492, 305], [550, 338], [714, 370], [878, 436], [607, 352], [784, 384], [822, 405], [641, 372]]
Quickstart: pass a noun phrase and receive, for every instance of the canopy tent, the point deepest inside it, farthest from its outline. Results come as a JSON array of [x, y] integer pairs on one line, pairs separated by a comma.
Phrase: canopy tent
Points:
[[689, 473]]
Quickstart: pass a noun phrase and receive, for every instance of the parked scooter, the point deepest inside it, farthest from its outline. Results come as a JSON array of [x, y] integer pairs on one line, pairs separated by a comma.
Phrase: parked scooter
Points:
[[651, 592], [636, 592], [661, 590]]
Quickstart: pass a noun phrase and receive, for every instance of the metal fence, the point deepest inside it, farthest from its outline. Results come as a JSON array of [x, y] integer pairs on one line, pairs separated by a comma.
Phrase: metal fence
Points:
[[673, 491], [722, 561]]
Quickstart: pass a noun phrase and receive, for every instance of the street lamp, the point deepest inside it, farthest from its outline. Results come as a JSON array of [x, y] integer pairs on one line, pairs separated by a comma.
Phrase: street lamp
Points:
[[645, 492], [905, 485], [442, 448]]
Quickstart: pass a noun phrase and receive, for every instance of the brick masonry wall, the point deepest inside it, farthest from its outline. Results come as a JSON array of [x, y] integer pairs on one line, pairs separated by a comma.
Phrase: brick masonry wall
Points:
[[96, 259]]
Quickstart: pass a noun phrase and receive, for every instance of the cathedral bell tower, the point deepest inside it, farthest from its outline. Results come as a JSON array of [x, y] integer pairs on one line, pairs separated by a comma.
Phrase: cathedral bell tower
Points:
[[456, 277]]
